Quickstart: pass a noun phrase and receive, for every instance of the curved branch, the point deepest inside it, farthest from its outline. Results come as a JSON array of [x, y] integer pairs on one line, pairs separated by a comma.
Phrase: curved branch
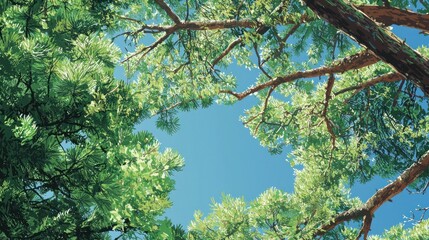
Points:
[[227, 50], [389, 77], [381, 196], [359, 60]]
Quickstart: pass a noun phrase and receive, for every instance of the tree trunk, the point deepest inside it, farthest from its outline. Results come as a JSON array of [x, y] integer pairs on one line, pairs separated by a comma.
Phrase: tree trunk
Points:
[[379, 40]]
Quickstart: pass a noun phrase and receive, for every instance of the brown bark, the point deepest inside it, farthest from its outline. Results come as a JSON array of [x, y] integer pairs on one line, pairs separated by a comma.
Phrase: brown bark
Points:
[[391, 15], [261, 30], [389, 77], [381, 196], [405, 60], [356, 61], [202, 25], [214, 25], [380, 41], [168, 10]]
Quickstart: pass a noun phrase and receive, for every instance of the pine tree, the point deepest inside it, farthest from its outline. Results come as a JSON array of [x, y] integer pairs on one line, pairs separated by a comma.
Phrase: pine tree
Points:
[[71, 165]]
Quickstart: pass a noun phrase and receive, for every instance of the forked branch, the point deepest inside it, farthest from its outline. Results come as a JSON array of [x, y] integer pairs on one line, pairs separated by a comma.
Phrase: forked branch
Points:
[[380, 197], [359, 60]]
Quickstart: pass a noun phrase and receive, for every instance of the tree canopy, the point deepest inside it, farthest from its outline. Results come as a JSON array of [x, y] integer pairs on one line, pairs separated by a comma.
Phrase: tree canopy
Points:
[[335, 84]]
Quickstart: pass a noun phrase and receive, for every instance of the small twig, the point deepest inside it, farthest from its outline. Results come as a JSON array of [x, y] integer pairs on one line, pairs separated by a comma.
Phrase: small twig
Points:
[[255, 47], [130, 19], [425, 209], [181, 66], [423, 191], [261, 31], [264, 109], [425, 4], [187, 10], [147, 49], [167, 108], [283, 41]]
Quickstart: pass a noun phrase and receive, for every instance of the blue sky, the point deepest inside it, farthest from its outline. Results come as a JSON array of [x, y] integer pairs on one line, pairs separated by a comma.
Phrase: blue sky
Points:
[[222, 157]]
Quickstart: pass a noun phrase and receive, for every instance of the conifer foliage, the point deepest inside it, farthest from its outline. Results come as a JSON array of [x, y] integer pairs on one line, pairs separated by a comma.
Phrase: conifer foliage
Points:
[[71, 165]]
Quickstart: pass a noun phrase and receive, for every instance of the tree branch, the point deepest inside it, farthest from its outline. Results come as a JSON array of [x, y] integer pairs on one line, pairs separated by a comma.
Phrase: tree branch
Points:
[[195, 25], [169, 11], [282, 42], [366, 227], [391, 15], [380, 41], [356, 61], [328, 96], [261, 31], [389, 77], [147, 49], [262, 113], [216, 25], [227, 50], [381, 196]]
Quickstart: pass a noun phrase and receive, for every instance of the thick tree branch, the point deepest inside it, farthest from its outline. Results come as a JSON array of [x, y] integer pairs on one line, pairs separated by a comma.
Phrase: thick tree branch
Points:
[[385, 15], [391, 15], [169, 11], [380, 41], [356, 61], [196, 25], [389, 77], [201, 25], [381, 196], [397, 186], [216, 25]]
